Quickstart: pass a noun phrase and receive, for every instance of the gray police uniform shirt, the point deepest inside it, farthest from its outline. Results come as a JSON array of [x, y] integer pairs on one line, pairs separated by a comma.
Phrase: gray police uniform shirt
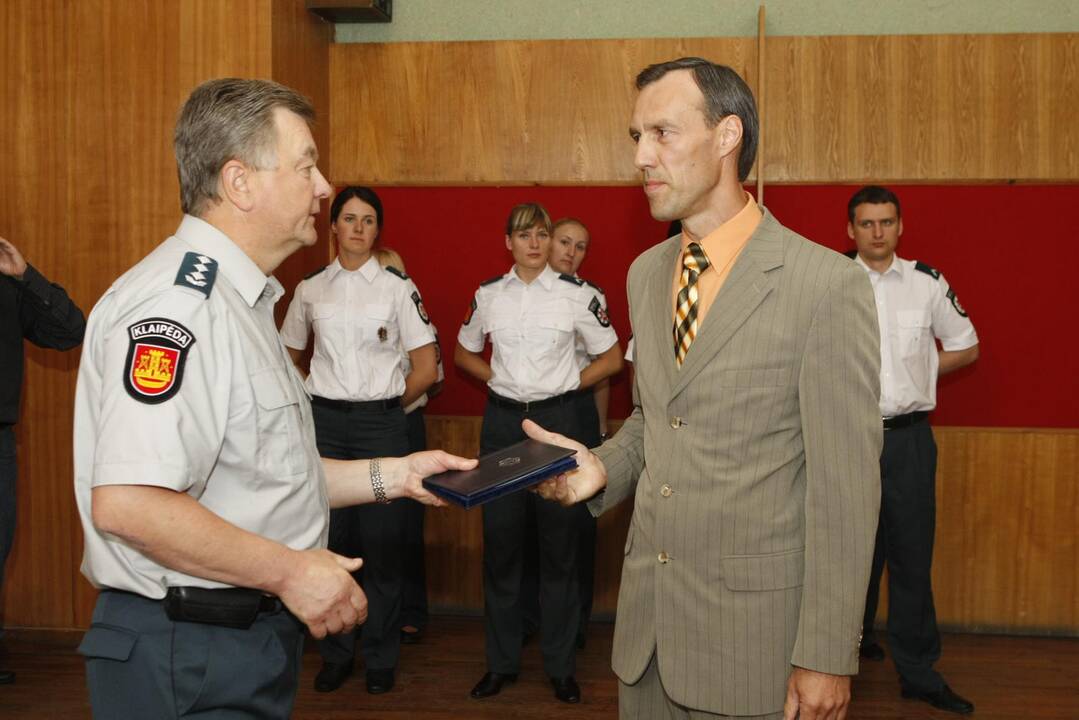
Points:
[[532, 329], [184, 384], [362, 319], [915, 307]]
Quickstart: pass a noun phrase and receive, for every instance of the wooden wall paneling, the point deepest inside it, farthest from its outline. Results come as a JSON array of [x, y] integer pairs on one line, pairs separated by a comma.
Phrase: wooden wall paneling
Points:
[[922, 108], [838, 109], [514, 112], [34, 150]]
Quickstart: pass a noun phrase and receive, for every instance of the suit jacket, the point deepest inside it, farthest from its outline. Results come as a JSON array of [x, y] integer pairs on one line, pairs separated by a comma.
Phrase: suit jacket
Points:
[[755, 475]]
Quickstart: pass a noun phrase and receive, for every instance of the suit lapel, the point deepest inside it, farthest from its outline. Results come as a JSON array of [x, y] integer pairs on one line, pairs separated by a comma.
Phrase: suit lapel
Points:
[[657, 338], [749, 283]]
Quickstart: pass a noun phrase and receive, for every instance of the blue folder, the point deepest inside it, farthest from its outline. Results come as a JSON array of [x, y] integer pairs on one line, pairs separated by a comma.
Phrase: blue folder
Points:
[[518, 467]]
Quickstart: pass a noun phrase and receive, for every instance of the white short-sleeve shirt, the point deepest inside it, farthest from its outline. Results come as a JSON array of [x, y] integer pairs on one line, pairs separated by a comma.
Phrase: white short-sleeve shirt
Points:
[[362, 320], [532, 328], [184, 384], [915, 307]]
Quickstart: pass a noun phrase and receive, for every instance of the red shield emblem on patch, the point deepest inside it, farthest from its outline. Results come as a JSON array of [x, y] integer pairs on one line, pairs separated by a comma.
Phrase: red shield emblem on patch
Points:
[[153, 368], [155, 359]]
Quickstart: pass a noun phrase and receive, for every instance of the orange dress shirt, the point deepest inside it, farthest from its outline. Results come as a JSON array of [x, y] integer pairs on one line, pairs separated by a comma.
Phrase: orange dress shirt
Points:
[[722, 246]]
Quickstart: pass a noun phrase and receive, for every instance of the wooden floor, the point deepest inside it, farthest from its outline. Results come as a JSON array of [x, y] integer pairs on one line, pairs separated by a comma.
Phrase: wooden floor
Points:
[[1008, 678]]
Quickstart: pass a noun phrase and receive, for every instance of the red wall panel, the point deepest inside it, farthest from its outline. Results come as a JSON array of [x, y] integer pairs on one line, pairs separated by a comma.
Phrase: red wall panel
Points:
[[1003, 248]]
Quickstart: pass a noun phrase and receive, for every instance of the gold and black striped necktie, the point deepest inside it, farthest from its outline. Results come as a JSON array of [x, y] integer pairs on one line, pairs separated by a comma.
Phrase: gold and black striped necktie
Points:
[[694, 262]]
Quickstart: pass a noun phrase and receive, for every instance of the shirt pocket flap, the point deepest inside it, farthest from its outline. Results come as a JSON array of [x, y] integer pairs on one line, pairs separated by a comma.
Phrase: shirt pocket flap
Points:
[[560, 322], [776, 571], [272, 388], [379, 311], [321, 311], [108, 642], [913, 319]]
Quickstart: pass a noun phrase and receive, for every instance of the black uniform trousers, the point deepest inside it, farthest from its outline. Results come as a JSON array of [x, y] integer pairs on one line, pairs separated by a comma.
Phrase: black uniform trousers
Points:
[[908, 508], [505, 534], [142, 666], [9, 474], [414, 601], [589, 436], [587, 433], [373, 532]]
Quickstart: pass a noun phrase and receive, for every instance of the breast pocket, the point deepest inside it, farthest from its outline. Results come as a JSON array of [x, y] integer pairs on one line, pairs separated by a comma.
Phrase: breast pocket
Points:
[[279, 420], [552, 333], [378, 325], [914, 332]]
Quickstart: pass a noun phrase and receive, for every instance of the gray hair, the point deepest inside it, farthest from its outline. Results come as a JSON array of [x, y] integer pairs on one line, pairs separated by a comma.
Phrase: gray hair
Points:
[[228, 119]]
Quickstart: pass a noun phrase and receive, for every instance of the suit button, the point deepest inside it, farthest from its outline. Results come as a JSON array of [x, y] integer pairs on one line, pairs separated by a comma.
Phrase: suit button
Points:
[[666, 491], [676, 422], [664, 558]]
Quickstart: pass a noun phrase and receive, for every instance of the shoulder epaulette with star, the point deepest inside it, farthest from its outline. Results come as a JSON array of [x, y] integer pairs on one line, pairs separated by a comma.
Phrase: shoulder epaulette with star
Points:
[[197, 272], [570, 279], [595, 287], [313, 273], [394, 271], [922, 267], [492, 281]]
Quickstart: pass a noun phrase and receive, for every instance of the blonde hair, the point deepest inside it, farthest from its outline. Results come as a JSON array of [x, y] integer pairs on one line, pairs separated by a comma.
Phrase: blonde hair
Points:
[[526, 217], [388, 257]]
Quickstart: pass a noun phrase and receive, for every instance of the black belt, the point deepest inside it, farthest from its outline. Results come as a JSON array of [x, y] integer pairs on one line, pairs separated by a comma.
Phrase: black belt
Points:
[[902, 421], [532, 405], [359, 406], [228, 607]]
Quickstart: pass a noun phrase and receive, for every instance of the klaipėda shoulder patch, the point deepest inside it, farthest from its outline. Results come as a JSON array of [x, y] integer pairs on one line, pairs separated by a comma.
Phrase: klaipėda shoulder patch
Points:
[[596, 308], [420, 308], [471, 311], [156, 352]]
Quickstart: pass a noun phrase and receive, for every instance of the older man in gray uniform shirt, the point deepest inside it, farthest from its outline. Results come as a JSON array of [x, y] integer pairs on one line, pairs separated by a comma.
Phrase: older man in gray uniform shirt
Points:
[[202, 497]]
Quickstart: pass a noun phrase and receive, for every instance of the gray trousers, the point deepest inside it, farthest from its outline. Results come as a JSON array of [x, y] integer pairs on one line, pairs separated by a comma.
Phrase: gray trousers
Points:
[[647, 700], [142, 666]]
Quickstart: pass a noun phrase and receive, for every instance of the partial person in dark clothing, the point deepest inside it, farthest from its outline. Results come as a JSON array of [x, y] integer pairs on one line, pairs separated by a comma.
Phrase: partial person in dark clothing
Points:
[[31, 308]]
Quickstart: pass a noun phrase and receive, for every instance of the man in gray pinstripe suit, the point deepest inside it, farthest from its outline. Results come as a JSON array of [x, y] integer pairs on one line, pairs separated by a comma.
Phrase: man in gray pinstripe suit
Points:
[[752, 451]]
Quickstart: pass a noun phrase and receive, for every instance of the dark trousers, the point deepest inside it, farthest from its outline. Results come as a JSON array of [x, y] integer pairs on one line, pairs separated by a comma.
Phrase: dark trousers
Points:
[[586, 432], [9, 474], [908, 508], [589, 436], [373, 532], [414, 602], [142, 666], [504, 539]]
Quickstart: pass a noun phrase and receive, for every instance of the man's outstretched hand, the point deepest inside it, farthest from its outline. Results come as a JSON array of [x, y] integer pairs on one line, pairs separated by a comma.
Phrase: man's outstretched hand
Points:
[[576, 485]]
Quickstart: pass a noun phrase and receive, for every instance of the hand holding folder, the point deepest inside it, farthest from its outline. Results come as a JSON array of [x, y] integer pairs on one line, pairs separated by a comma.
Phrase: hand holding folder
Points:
[[515, 468]]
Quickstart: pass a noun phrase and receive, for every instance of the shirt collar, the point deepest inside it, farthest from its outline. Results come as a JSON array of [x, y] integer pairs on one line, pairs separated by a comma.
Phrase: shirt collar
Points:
[[232, 262], [896, 266], [726, 239], [545, 278], [369, 270]]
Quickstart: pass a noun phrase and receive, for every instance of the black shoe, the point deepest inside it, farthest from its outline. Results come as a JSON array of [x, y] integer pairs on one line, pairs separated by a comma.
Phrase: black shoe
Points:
[[566, 689], [331, 676], [491, 684], [379, 681], [411, 637], [7, 677], [871, 651], [943, 699]]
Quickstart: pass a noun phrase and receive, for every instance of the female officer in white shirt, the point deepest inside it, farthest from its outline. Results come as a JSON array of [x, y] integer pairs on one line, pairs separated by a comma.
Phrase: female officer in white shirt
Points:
[[532, 315], [361, 316]]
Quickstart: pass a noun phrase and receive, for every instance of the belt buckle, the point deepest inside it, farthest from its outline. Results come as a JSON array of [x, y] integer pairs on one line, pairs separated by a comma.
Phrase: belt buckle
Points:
[[527, 405]]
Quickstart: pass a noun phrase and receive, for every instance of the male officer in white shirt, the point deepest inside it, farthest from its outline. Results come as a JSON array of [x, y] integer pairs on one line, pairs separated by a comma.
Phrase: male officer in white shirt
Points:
[[915, 307]]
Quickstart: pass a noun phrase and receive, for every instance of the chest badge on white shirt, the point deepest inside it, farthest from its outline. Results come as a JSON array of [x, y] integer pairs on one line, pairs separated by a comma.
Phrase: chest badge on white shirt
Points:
[[382, 334]]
